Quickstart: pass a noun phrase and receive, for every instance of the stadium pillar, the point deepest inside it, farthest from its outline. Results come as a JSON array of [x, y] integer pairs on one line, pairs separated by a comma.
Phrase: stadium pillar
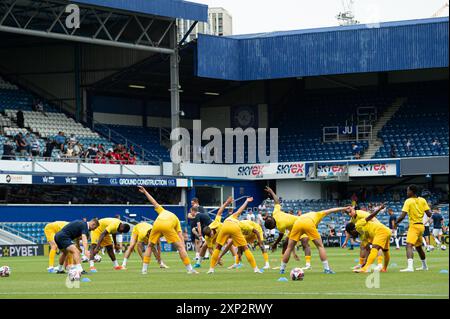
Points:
[[174, 89], [77, 66]]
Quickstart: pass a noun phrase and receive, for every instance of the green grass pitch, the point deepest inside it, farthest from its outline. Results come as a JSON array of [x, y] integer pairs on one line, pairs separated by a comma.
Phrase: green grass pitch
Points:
[[29, 279]]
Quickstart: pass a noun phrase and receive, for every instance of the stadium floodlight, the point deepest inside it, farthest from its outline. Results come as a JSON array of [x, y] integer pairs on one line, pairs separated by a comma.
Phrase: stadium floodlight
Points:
[[212, 93], [137, 86]]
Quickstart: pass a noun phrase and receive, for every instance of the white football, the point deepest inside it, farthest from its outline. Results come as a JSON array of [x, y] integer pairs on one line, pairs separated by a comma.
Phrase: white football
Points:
[[297, 274], [74, 275], [443, 247], [5, 271], [97, 258]]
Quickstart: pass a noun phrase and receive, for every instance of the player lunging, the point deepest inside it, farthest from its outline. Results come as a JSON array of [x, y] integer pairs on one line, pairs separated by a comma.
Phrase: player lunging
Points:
[[139, 238], [231, 229], [168, 225], [105, 236]]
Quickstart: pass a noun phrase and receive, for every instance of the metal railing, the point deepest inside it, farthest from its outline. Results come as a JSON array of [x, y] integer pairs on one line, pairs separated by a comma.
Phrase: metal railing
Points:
[[114, 136], [362, 132], [19, 233]]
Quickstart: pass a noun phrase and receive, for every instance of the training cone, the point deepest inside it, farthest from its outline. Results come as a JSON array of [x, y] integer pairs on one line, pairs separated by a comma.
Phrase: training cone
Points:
[[85, 280], [283, 279], [444, 271]]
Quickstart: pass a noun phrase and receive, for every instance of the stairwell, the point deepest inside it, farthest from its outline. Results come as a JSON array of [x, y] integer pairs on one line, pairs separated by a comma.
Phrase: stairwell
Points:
[[375, 142], [8, 238]]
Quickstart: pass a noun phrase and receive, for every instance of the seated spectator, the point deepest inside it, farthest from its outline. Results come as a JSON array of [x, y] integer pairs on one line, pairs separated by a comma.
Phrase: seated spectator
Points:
[[49, 146], [35, 147], [132, 159], [72, 139], [393, 153], [69, 151], [408, 146], [40, 106], [131, 150], [91, 152], [436, 145], [8, 151], [356, 151], [20, 144], [78, 149], [101, 148], [28, 141], [100, 158], [60, 140]]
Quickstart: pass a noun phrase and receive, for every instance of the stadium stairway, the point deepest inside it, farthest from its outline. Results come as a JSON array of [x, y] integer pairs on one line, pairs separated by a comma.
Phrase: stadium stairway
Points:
[[376, 142], [8, 238]]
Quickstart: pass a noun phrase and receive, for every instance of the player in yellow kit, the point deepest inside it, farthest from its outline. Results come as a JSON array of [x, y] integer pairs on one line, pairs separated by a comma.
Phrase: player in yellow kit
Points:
[[371, 230], [284, 223], [50, 230], [254, 233], [415, 207], [305, 224], [231, 230], [168, 225], [105, 236], [211, 231], [139, 237]]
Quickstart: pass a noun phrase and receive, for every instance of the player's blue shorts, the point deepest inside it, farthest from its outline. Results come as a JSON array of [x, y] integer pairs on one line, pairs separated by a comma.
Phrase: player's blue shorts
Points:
[[62, 241], [426, 232]]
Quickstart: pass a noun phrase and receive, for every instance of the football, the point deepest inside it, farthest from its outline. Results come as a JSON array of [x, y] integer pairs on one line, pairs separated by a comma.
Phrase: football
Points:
[[97, 258], [297, 274], [5, 271], [443, 247], [74, 275]]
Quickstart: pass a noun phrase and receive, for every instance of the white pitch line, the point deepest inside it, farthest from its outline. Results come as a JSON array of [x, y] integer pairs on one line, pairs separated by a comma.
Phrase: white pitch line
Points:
[[225, 293]]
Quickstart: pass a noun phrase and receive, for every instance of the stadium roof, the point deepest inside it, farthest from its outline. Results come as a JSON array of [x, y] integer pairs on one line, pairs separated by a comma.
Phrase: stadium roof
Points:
[[165, 8], [389, 46]]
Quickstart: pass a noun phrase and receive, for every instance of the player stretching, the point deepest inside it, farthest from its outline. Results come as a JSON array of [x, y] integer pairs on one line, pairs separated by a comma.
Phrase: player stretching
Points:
[[168, 225], [231, 229], [105, 236], [139, 236], [64, 241], [50, 230], [211, 231], [377, 234], [284, 223], [415, 207]]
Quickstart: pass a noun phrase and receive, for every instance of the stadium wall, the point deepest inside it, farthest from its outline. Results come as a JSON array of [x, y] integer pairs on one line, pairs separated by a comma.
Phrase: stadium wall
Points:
[[45, 213], [297, 189], [405, 45]]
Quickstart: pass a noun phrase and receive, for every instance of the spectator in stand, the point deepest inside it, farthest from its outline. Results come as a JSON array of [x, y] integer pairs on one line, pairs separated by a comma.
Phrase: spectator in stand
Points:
[[35, 147], [251, 216], [8, 150], [49, 146], [396, 196], [69, 152], [260, 219], [72, 139], [20, 119], [101, 148], [436, 145], [28, 141], [91, 152], [78, 149], [132, 151], [299, 212], [60, 140], [20, 144], [332, 230], [408, 146], [356, 151], [394, 153], [132, 159]]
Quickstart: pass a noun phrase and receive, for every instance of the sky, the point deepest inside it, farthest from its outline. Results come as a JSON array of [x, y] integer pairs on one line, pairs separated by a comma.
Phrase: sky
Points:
[[254, 16]]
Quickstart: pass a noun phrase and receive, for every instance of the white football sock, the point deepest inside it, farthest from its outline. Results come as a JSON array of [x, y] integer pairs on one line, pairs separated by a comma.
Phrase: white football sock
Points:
[[124, 262], [91, 263], [325, 265], [144, 267], [115, 263], [283, 266], [410, 263]]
